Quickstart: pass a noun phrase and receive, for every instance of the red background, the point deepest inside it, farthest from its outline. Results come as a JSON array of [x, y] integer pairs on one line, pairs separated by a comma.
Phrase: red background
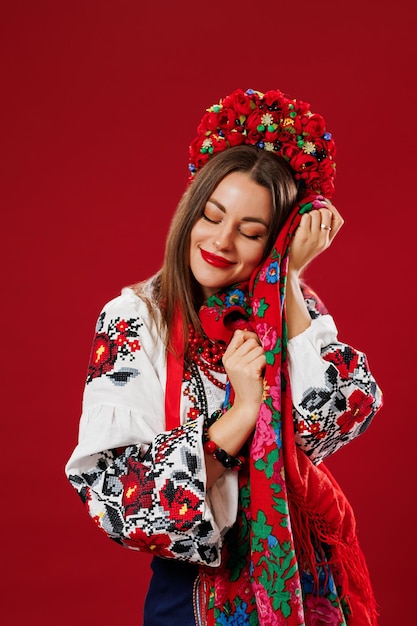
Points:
[[100, 100]]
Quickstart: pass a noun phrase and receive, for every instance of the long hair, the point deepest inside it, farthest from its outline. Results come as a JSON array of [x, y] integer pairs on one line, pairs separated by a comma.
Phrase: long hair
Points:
[[175, 287]]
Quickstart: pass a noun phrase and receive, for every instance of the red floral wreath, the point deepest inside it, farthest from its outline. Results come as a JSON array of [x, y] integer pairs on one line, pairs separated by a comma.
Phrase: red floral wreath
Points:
[[272, 122]]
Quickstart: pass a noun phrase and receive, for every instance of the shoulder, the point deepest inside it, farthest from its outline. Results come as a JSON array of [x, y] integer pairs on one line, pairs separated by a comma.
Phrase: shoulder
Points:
[[127, 335], [131, 315], [132, 303]]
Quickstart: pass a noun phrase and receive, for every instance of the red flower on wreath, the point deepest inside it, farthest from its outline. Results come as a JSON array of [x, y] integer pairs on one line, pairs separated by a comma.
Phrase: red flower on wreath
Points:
[[103, 355], [239, 102], [360, 407], [181, 504], [272, 122]]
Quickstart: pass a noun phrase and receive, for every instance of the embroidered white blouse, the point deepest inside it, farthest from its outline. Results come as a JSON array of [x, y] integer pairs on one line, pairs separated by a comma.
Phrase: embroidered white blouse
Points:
[[145, 486]]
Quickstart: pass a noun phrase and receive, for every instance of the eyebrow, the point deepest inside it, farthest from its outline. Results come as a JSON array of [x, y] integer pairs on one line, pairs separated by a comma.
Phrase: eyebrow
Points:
[[256, 220]]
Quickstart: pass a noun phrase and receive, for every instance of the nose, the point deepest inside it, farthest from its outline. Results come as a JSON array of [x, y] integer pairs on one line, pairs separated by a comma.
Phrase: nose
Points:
[[223, 240]]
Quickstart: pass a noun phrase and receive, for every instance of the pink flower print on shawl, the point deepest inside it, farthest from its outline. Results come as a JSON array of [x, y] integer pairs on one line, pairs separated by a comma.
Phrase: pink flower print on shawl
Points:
[[264, 433], [268, 336]]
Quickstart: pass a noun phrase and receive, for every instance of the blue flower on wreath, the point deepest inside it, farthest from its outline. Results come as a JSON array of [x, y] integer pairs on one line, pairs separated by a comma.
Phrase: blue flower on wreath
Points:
[[235, 298], [272, 273]]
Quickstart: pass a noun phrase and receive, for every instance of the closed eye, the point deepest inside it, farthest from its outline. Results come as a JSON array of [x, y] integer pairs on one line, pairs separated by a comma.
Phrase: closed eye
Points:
[[204, 216], [251, 236]]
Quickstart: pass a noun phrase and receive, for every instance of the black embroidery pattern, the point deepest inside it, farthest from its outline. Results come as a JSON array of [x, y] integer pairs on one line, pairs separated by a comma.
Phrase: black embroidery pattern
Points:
[[153, 500]]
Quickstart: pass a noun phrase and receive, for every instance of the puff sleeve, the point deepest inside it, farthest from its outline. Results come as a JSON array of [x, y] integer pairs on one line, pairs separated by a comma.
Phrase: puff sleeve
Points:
[[334, 394], [142, 485]]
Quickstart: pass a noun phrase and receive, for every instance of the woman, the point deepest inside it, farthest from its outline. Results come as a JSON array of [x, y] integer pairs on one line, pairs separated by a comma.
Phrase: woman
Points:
[[216, 388]]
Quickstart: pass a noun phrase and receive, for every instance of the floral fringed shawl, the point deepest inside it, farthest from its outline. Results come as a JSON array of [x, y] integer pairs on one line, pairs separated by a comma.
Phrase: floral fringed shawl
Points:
[[293, 556]]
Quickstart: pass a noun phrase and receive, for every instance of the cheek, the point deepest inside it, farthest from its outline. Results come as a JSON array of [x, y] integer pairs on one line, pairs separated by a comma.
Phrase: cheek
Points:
[[256, 257], [196, 233]]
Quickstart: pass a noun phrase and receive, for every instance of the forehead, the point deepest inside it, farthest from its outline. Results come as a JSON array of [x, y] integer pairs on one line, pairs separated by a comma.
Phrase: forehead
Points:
[[238, 192]]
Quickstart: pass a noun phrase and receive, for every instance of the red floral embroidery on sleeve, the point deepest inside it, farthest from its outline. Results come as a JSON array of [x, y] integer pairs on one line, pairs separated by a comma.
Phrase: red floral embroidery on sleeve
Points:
[[118, 338], [361, 406]]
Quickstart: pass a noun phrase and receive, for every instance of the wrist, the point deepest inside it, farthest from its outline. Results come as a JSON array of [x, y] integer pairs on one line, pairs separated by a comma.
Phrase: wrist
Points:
[[293, 273], [246, 410]]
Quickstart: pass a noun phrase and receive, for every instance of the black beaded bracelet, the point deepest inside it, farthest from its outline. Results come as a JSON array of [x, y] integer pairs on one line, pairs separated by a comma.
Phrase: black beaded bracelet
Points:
[[227, 460], [209, 421]]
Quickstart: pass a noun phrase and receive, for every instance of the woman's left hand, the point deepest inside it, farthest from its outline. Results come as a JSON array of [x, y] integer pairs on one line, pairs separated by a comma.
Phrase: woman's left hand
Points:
[[315, 233]]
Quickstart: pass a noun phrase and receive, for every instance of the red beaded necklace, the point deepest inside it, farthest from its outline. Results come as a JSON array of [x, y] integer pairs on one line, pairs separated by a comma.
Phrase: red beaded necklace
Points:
[[207, 355]]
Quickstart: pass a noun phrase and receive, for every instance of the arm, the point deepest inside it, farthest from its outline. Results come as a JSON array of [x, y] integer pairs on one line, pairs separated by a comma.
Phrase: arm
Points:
[[334, 394], [144, 487], [315, 233]]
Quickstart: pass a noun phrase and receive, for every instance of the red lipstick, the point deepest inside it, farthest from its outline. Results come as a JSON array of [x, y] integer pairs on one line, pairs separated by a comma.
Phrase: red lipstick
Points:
[[213, 259]]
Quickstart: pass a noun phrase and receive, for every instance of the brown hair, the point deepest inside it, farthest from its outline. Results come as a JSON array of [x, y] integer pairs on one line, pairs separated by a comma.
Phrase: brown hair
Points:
[[175, 286]]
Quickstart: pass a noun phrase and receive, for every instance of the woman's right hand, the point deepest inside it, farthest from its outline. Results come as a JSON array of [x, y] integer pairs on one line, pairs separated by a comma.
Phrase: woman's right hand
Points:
[[244, 362]]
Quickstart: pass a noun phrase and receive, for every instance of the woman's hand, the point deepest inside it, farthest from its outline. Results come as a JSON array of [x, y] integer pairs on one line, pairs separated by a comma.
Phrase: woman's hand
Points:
[[315, 233], [244, 362]]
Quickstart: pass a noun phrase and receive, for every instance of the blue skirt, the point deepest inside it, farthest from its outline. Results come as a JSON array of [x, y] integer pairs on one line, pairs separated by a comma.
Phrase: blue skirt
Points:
[[170, 596]]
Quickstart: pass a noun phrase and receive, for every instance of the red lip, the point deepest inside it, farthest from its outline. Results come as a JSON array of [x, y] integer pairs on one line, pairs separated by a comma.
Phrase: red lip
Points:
[[213, 259]]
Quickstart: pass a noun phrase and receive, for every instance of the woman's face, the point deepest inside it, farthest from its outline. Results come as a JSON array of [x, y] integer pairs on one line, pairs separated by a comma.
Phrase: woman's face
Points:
[[227, 243]]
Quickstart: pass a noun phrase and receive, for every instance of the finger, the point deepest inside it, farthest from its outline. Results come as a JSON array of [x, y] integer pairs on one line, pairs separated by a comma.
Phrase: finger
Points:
[[236, 341], [320, 221], [305, 223], [337, 220], [325, 221], [240, 337], [250, 348], [321, 203]]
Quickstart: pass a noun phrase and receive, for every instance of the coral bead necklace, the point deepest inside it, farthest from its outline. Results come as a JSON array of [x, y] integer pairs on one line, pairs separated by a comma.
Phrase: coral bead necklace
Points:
[[207, 355]]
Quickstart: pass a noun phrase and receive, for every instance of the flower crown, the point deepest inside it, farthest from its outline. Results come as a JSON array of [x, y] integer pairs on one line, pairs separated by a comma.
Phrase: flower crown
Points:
[[272, 122]]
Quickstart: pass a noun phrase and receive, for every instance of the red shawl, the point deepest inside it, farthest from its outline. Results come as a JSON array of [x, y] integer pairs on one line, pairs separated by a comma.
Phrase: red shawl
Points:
[[293, 521]]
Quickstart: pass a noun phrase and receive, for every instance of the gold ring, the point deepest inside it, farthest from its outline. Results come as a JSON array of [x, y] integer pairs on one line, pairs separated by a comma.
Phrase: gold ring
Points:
[[325, 227]]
